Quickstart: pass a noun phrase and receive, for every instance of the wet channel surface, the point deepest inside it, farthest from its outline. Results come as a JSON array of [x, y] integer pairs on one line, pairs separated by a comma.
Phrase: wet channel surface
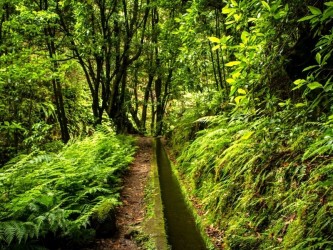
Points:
[[181, 228]]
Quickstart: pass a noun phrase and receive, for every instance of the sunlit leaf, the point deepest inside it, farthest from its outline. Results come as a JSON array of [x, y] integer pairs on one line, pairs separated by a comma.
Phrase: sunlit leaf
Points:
[[231, 80], [310, 67], [236, 75], [299, 81], [214, 39], [314, 85], [239, 98], [318, 58], [230, 22], [306, 18], [227, 10], [237, 17], [314, 10], [299, 105], [233, 90], [266, 5], [244, 37], [234, 3], [241, 91], [232, 63], [247, 135]]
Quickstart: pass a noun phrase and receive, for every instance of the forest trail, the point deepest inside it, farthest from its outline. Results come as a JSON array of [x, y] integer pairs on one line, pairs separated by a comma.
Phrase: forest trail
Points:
[[131, 213]]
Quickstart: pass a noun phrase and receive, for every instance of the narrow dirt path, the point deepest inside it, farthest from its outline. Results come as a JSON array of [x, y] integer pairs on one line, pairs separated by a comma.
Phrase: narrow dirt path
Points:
[[131, 213]]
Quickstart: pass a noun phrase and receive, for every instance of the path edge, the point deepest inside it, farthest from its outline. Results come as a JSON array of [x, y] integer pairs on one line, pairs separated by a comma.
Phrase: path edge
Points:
[[155, 226]]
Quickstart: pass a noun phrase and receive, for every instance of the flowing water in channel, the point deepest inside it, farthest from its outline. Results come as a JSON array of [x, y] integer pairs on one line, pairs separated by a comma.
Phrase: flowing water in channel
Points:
[[180, 226]]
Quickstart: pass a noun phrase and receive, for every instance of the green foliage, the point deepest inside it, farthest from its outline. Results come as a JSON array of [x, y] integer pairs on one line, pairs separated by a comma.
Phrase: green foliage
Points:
[[318, 81], [260, 163], [27, 70], [263, 182], [63, 193], [255, 146]]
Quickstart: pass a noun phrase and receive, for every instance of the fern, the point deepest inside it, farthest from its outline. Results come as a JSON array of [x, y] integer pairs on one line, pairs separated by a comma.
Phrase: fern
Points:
[[103, 208], [38, 159], [322, 146], [63, 192], [12, 230]]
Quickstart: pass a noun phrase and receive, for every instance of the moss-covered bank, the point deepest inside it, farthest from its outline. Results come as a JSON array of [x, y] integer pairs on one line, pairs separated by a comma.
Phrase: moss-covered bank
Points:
[[266, 183]]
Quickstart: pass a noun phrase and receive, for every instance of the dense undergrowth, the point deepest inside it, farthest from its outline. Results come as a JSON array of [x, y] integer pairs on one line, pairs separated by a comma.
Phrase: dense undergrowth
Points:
[[257, 155], [266, 183], [67, 197]]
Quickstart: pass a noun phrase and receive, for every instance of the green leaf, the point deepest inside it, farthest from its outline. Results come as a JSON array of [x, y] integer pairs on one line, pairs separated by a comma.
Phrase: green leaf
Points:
[[328, 13], [214, 39], [314, 85], [227, 10], [310, 67], [216, 47], [306, 18], [234, 3], [233, 90], [237, 17], [318, 58], [241, 91], [265, 4], [247, 135], [330, 4], [297, 87], [233, 63], [239, 98], [244, 37], [314, 10], [299, 105], [231, 81], [235, 75], [299, 82], [229, 22]]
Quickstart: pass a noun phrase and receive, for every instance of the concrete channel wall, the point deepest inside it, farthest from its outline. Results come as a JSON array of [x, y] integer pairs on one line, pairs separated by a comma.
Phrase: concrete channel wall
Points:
[[155, 226]]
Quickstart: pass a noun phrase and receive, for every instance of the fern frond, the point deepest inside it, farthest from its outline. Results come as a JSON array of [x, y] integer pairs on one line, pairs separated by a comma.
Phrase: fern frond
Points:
[[38, 223], [38, 159], [62, 192], [20, 231], [322, 146], [103, 208], [84, 219], [94, 190], [12, 230], [32, 231]]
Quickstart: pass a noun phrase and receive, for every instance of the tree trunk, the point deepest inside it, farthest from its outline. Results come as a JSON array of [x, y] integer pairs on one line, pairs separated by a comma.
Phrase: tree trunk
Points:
[[50, 34], [159, 106]]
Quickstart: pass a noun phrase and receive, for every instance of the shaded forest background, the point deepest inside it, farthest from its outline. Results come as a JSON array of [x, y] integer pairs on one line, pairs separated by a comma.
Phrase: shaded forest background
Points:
[[242, 89]]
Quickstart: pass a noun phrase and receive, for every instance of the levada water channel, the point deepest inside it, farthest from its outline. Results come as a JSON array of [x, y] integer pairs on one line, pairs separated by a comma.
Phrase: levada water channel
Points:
[[180, 225]]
